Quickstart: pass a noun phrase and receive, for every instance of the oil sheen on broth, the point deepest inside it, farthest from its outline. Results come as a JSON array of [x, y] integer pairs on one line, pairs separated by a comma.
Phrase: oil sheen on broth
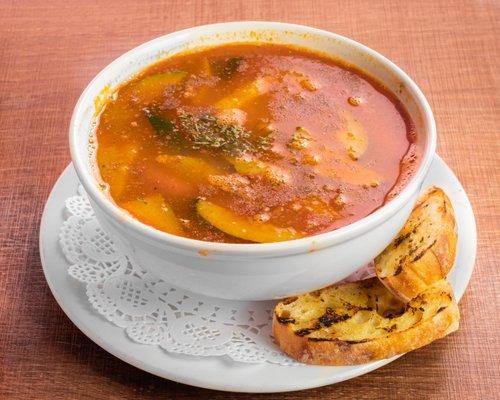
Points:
[[251, 143]]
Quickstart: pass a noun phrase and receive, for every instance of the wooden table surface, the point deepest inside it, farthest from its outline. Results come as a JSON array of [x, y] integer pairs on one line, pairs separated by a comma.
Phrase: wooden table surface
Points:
[[50, 50]]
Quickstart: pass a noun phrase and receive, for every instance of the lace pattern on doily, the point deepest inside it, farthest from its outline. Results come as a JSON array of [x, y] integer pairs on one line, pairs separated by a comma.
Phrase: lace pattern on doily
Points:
[[155, 313]]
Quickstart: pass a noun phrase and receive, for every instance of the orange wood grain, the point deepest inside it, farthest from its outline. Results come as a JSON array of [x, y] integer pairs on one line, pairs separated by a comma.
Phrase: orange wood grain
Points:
[[49, 51]]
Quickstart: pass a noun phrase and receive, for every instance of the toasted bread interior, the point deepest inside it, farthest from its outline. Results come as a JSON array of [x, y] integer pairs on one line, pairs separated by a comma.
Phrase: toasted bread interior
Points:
[[408, 305], [424, 250], [360, 311]]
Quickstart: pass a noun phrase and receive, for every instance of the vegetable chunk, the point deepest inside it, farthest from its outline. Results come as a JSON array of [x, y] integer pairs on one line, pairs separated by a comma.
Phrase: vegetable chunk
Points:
[[243, 227], [189, 167], [115, 166], [152, 88], [353, 137], [348, 171], [244, 94], [154, 211], [253, 166], [289, 142]]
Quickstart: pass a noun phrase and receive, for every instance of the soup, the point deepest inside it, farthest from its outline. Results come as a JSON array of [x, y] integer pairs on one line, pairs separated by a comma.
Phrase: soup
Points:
[[252, 143]]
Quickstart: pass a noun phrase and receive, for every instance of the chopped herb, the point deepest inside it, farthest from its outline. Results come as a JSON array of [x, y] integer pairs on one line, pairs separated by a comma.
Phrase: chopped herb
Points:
[[160, 124], [227, 68], [264, 142], [208, 132]]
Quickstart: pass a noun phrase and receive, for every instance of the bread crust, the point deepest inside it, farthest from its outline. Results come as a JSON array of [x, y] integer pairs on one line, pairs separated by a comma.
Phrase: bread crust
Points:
[[424, 250], [333, 351], [407, 306]]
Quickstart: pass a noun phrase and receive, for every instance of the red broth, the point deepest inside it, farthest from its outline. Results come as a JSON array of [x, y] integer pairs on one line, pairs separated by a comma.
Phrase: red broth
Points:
[[251, 143]]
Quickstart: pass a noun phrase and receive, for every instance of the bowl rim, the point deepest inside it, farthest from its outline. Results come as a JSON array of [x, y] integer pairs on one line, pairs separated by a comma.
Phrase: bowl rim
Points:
[[308, 243]]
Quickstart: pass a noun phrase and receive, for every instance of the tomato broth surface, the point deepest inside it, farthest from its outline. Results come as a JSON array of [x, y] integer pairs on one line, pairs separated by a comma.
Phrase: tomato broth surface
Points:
[[251, 143]]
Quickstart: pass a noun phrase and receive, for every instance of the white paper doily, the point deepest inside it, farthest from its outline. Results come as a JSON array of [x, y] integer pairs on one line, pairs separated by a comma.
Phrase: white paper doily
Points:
[[154, 312], [221, 373]]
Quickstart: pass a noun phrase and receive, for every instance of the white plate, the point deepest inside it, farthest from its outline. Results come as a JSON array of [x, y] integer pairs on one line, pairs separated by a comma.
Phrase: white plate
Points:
[[218, 372]]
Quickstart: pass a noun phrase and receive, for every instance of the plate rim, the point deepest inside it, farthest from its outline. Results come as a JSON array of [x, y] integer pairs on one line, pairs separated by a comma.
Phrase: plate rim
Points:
[[171, 372]]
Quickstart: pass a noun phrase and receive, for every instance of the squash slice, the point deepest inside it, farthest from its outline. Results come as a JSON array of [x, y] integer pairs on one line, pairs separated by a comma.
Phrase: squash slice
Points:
[[152, 87], [243, 227], [155, 211], [114, 166]]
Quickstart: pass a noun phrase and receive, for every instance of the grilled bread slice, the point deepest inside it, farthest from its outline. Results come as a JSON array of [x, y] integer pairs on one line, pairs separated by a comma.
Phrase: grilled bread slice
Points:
[[359, 322], [424, 250]]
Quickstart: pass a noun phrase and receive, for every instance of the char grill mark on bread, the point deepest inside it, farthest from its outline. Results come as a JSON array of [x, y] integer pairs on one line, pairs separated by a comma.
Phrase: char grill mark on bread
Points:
[[363, 333], [424, 250], [408, 305]]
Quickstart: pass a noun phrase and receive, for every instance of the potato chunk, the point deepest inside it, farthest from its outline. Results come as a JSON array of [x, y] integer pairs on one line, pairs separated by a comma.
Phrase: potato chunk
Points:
[[349, 171], [343, 169], [233, 183], [244, 94], [353, 137], [243, 227], [253, 166], [155, 211], [301, 139], [188, 167], [233, 116]]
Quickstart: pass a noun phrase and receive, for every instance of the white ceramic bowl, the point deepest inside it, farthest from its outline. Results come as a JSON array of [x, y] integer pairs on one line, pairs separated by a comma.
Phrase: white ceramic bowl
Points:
[[253, 271]]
